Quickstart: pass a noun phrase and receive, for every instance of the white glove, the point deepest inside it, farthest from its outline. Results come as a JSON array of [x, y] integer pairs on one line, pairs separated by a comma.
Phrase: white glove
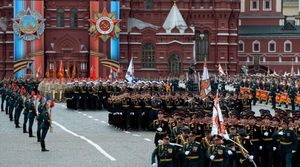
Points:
[[274, 148], [212, 157], [293, 151], [160, 141], [280, 133], [229, 152], [226, 136], [260, 147], [251, 157], [159, 129], [187, 152], [154, 165], [247, 137], [266, 133]]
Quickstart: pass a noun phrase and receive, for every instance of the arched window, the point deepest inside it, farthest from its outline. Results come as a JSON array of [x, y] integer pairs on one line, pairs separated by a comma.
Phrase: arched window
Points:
[[148, 59], [241, 46], [148, 4], [60, 16], [174, 65], [202, 46], [288, 46], [74, 18], [272, 46], [256, 46]]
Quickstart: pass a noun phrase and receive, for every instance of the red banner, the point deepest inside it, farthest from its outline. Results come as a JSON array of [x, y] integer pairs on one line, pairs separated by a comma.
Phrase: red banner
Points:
[[264, 95], [243, 90], [298, 99]]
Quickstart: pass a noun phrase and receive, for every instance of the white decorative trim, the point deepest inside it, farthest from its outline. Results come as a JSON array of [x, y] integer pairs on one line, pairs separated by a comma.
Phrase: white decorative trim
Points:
[[264, 5], [242, 5], [175, 41], [161, 57], [50, 51], [83, 51], [256, 42], [272, 42], [251, 5], [281, 22], [278, 5], [241, 42], [7, 32], [223, 34], [133, 43], [7, 42], [223, 43], [163, 33], [291, 46]]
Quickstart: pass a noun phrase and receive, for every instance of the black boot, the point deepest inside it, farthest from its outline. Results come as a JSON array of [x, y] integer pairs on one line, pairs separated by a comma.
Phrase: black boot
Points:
[[43, 146], [24, 129]]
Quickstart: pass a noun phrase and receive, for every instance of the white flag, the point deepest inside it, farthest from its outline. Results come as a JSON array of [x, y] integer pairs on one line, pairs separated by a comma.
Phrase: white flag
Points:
[[205, 82], [130, 72], [221, 71], [218, 127]]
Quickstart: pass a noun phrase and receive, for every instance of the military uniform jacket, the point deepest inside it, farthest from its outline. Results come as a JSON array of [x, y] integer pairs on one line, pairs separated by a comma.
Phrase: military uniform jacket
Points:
[[165, 153], [220, 153], [20, 102], [195, 150], [31, 110], [45, 118]]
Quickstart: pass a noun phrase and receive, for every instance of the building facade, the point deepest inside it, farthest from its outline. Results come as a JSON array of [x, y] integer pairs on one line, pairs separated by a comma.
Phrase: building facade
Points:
[[163, 37], [268, 40], [166, 38]]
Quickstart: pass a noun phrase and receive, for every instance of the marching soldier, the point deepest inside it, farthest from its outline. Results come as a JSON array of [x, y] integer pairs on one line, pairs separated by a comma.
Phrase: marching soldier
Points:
[[31, 114], [45, 125], [193, 151], [3, 97], [287, 145], [218, 153], [161, 126], [41, 109], [26, 112], [19, 108], [164, 154]]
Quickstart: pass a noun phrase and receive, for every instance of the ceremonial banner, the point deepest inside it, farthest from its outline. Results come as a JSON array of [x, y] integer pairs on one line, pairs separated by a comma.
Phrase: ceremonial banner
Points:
[[28, 26], [218, 127], [298, 99], [258, 93], [243, 90], [284, 98], [205, 82], [264, 95], [278, 97]]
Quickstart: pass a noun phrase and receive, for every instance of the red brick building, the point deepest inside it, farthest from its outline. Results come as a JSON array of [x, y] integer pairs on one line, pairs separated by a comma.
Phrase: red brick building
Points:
[[163, 37], [268, 39], [171, 37]]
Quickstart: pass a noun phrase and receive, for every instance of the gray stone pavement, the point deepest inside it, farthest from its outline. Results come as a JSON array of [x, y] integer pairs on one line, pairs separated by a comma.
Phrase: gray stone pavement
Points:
[[129, 149]]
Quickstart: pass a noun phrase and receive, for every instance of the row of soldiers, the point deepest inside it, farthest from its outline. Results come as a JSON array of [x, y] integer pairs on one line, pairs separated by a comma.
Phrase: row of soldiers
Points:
[[16, 99], [184, 139], [138, 110]]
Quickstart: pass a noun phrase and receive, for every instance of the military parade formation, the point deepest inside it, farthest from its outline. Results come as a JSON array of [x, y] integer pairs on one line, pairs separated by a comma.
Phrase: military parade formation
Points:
[[181, 119], [21, 96]]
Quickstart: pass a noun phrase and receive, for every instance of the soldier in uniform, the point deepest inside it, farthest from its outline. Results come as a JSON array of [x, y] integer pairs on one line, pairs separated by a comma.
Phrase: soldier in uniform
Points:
[[45, 125], [11, 105], [31, 114], [84, 96], [288, 141], [292, 92], [218, 153], [19, 108], [161, 126], [193, 152], [164, 153], [3, 97], [39, 117], [25, 113]]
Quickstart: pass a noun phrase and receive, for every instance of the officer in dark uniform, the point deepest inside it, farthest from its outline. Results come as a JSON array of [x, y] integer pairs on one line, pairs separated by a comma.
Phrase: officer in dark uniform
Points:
[[287, 146], [25, 113], [41, 109], [164, 153], [84, 96], [11, 105], [19, 108], [45, 125], [292, 94], [254, 87], [7, 99], [31, 114], [161, 126], [273, 95], [218, 153], [193, 152], [3, 97], [76, 95]]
